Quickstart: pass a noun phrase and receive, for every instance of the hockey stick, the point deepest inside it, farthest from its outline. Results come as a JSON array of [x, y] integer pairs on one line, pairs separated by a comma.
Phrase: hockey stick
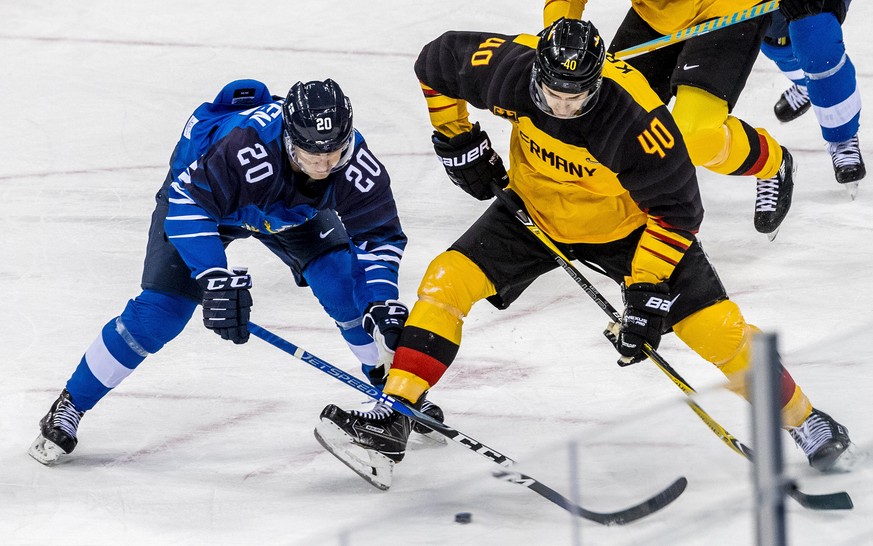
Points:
[[699, 29], [620, 517], [830, 501]]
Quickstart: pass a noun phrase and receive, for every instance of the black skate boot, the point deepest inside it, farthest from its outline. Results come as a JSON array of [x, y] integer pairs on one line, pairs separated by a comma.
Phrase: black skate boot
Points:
[[822, 439], [793, 103], [368, 442], [848, 163], [774, 197], [430, 409], [57, 431]]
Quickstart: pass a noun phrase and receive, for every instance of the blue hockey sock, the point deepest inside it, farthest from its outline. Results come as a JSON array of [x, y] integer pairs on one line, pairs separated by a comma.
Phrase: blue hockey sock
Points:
[[146, 324], [818, 44]]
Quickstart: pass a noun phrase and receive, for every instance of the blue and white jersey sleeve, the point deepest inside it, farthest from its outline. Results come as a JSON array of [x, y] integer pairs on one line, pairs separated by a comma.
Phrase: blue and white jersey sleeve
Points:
[[366, 205], [192, 230], [237, 182]]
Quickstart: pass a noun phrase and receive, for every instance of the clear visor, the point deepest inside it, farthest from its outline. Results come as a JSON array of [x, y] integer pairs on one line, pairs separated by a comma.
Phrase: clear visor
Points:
[[563, 105], [320, 165]]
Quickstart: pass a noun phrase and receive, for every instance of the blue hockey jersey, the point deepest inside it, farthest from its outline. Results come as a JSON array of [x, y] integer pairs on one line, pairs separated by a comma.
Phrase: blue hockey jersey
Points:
[[230, 168]]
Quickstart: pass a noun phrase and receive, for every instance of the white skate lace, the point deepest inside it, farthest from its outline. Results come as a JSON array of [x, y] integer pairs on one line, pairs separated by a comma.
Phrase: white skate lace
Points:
[[768, 191], [814, 432], [797, 96], [66, 418], [380, 411], [846, 153]]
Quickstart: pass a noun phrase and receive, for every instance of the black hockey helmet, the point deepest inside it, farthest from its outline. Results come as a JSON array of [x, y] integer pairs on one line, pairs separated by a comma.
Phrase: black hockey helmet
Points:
[[318, 119], [569, 59]]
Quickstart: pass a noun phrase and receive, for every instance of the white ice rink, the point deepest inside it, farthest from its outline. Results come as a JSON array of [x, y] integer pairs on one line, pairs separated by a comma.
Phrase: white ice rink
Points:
[[211, 443]]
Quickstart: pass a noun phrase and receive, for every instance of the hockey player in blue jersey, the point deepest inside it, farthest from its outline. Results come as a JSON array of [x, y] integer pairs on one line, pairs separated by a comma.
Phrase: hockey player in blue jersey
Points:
[[296, 176], [805, 40]]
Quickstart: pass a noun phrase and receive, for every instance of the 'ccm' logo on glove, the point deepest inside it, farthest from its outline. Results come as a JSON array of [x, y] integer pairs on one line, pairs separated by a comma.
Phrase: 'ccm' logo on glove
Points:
[[234, 282]]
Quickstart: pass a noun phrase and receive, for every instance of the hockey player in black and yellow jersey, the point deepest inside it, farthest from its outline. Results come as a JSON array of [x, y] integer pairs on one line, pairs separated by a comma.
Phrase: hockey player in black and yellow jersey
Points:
[[599, 164], [706, 74]]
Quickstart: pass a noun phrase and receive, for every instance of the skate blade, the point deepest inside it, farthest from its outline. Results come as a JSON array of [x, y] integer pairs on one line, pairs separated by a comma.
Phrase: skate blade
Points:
[[374, 467], [772, 235], [848, 460], [851, 189], [45, 451]]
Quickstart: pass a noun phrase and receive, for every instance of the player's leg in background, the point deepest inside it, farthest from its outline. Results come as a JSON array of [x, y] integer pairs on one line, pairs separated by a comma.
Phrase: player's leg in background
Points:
[[817, 41], [794, 101]]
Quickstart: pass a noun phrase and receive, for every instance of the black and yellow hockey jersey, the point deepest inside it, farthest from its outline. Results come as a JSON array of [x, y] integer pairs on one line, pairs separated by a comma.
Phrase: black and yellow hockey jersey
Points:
[[591, 179]]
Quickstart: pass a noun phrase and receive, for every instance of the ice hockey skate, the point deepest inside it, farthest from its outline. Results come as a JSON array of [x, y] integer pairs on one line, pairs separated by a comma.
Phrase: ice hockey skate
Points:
[[793, 103], [849, 166], [774, 197], [824, 441], [368, 442], [58, 429], [426, 433]]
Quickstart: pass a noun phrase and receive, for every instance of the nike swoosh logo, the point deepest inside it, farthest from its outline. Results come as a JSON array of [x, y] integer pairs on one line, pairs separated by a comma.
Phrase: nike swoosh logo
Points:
[[324, 234], [690, 66]]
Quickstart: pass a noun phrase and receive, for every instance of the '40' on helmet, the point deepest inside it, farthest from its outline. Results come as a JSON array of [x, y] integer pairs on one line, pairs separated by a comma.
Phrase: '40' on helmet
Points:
[[569, 59], [318, 119]]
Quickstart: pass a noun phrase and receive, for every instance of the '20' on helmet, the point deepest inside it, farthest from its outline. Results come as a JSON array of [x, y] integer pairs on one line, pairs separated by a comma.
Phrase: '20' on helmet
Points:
[[317, 119], [569, 59]]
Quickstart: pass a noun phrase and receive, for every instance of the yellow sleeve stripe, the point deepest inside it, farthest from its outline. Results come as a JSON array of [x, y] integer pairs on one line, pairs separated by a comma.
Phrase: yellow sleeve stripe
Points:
[[668, 237], [658, 253], [448, 115]]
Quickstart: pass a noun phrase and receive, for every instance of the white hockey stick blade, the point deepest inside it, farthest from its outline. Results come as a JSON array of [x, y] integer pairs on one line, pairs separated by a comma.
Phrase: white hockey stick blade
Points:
[[374, 467], [45, 451]]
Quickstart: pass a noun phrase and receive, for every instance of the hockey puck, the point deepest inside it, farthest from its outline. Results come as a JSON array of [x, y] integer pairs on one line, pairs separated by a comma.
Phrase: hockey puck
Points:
[[463, 517]]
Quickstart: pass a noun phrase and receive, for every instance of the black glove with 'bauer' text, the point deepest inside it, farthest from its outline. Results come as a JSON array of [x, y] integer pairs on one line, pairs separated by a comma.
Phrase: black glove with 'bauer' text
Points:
[[471, 162], [646, 305], [227, 302]]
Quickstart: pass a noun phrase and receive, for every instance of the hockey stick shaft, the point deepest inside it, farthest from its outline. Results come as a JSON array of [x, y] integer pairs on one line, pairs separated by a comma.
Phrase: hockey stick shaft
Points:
[[699, 29], [610, 518], [833, 501]]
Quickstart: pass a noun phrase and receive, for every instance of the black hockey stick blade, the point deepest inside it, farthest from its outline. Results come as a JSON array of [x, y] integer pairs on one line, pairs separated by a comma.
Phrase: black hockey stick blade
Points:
[[827, 501], [620, 517]]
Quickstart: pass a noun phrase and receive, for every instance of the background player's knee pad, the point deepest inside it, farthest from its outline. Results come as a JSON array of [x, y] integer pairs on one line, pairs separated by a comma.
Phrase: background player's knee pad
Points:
[[701, 118], [817, 42], [154, 318]]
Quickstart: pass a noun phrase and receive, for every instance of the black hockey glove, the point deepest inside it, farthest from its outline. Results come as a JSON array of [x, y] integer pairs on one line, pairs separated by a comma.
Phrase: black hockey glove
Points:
[[384, 321], [798, 9], [646, 305], [471, 162], [227, 302]]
